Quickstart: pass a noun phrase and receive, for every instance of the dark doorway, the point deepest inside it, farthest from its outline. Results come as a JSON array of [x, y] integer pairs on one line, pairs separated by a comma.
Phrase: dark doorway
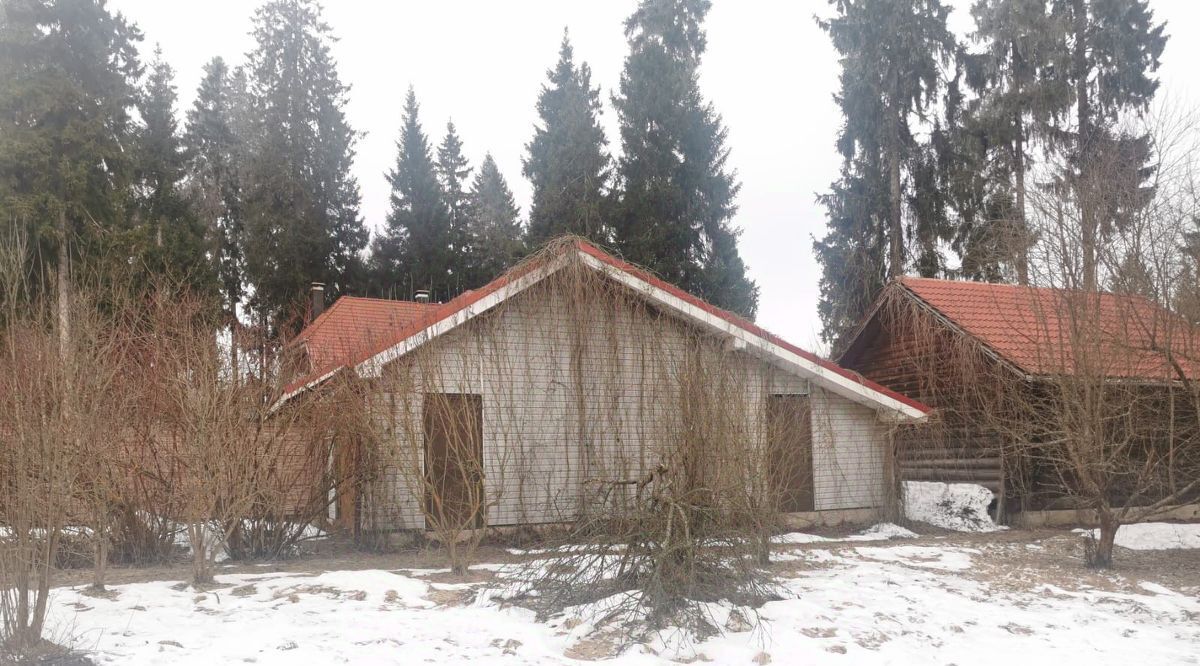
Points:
[[789, 435], [454, 460]]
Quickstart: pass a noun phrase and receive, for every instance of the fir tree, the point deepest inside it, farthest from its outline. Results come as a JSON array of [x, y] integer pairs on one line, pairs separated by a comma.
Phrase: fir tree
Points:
[[453, 172], [567, 162], [1020, 94], [68, 76], [853, 253], [676, 200], [167, 238], [496, 241], [892, 52], [413, 252], [1114, 50], [300, 201], [215, 153]]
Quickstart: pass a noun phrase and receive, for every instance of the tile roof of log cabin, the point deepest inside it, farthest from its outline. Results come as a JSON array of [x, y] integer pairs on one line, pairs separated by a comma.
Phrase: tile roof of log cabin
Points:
[[354, 325], [1031, 327], [429, 316]]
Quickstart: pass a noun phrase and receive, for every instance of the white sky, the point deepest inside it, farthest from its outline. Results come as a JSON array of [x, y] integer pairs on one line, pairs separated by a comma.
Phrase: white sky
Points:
[[769, 70]]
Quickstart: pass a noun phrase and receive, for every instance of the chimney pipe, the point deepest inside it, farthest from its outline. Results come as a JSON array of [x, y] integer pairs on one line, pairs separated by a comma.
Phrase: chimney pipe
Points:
[[421, 296], [318, 301]]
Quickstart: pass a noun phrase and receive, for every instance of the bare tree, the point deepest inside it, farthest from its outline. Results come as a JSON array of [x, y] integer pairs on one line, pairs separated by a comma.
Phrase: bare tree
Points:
[[54, 401]]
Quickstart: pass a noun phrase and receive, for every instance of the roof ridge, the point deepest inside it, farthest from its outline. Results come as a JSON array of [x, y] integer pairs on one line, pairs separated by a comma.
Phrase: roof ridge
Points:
[[376, 299], [581, 246]]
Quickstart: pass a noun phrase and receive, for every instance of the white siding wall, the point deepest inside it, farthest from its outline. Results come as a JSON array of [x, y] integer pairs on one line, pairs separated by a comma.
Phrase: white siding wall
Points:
[[848, 454], [522, 363]]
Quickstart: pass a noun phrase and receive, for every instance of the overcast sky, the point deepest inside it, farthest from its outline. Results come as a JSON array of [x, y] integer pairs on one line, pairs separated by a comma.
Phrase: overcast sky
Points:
[[769, 70]]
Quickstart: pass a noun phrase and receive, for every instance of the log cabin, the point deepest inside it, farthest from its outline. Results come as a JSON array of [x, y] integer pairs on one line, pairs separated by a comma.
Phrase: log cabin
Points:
[[970, 350]]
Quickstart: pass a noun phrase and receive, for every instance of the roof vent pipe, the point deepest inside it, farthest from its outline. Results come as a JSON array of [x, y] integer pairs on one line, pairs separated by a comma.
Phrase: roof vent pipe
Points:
[[318, 301], [422, 296]]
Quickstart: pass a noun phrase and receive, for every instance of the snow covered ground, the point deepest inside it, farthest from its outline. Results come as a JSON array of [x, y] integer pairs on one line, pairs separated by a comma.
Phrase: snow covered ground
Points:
[[1156, 536], [849, 602], [880, 532]]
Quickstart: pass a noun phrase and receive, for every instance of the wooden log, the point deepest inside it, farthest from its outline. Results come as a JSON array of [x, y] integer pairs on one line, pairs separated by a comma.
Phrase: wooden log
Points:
[[952, 474], [961, 463]]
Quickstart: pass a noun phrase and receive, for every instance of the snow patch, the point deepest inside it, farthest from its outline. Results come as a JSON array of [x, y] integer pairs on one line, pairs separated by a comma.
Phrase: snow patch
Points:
[[885, 531], [961, 507], [880, 532], [1154, 536], [923, 557]]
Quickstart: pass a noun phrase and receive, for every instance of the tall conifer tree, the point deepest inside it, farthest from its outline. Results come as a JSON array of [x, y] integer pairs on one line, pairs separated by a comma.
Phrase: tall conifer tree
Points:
[[168, 238], [892, 52], [676, 199], [300, 202], [566, 160], [216, 152], [68, 76], [496, 241], [1020, 95], [1114, 48], [453, 173], [413, 252]]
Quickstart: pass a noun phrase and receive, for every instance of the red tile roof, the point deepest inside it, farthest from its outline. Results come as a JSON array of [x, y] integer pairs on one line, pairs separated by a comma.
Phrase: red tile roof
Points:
[[1045, 331], [437, 313], [353, 326]]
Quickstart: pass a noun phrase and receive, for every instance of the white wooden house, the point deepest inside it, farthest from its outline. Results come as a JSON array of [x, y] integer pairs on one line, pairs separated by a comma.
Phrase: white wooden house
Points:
[[576, 368]]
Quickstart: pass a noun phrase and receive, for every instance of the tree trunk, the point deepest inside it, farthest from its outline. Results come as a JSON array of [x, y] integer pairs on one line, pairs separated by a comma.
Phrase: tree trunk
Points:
[[763, 551], [1021, 237], [1022, 229], [100, 550], [234, 327], [895, 230], [201, 571], [38, 621], [100, 566], [1102, 558], [1085, 188], [63, 286]]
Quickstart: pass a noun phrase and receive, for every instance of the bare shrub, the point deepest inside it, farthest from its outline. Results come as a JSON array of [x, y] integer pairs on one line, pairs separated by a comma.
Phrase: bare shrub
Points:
[[245, 476], [54, 405], [642, 434], [297, 481], [205, 427]]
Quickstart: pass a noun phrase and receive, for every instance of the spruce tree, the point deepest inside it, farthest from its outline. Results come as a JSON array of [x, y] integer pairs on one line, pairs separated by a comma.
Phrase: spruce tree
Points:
[[413, 252], [1020, 93], [853, 253], [892, 53], [167, 237], [215, 152], [676, 198], [300, 202], [68, 76], [496, 241], [567, 162], [1114, 49], [453, 172]]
